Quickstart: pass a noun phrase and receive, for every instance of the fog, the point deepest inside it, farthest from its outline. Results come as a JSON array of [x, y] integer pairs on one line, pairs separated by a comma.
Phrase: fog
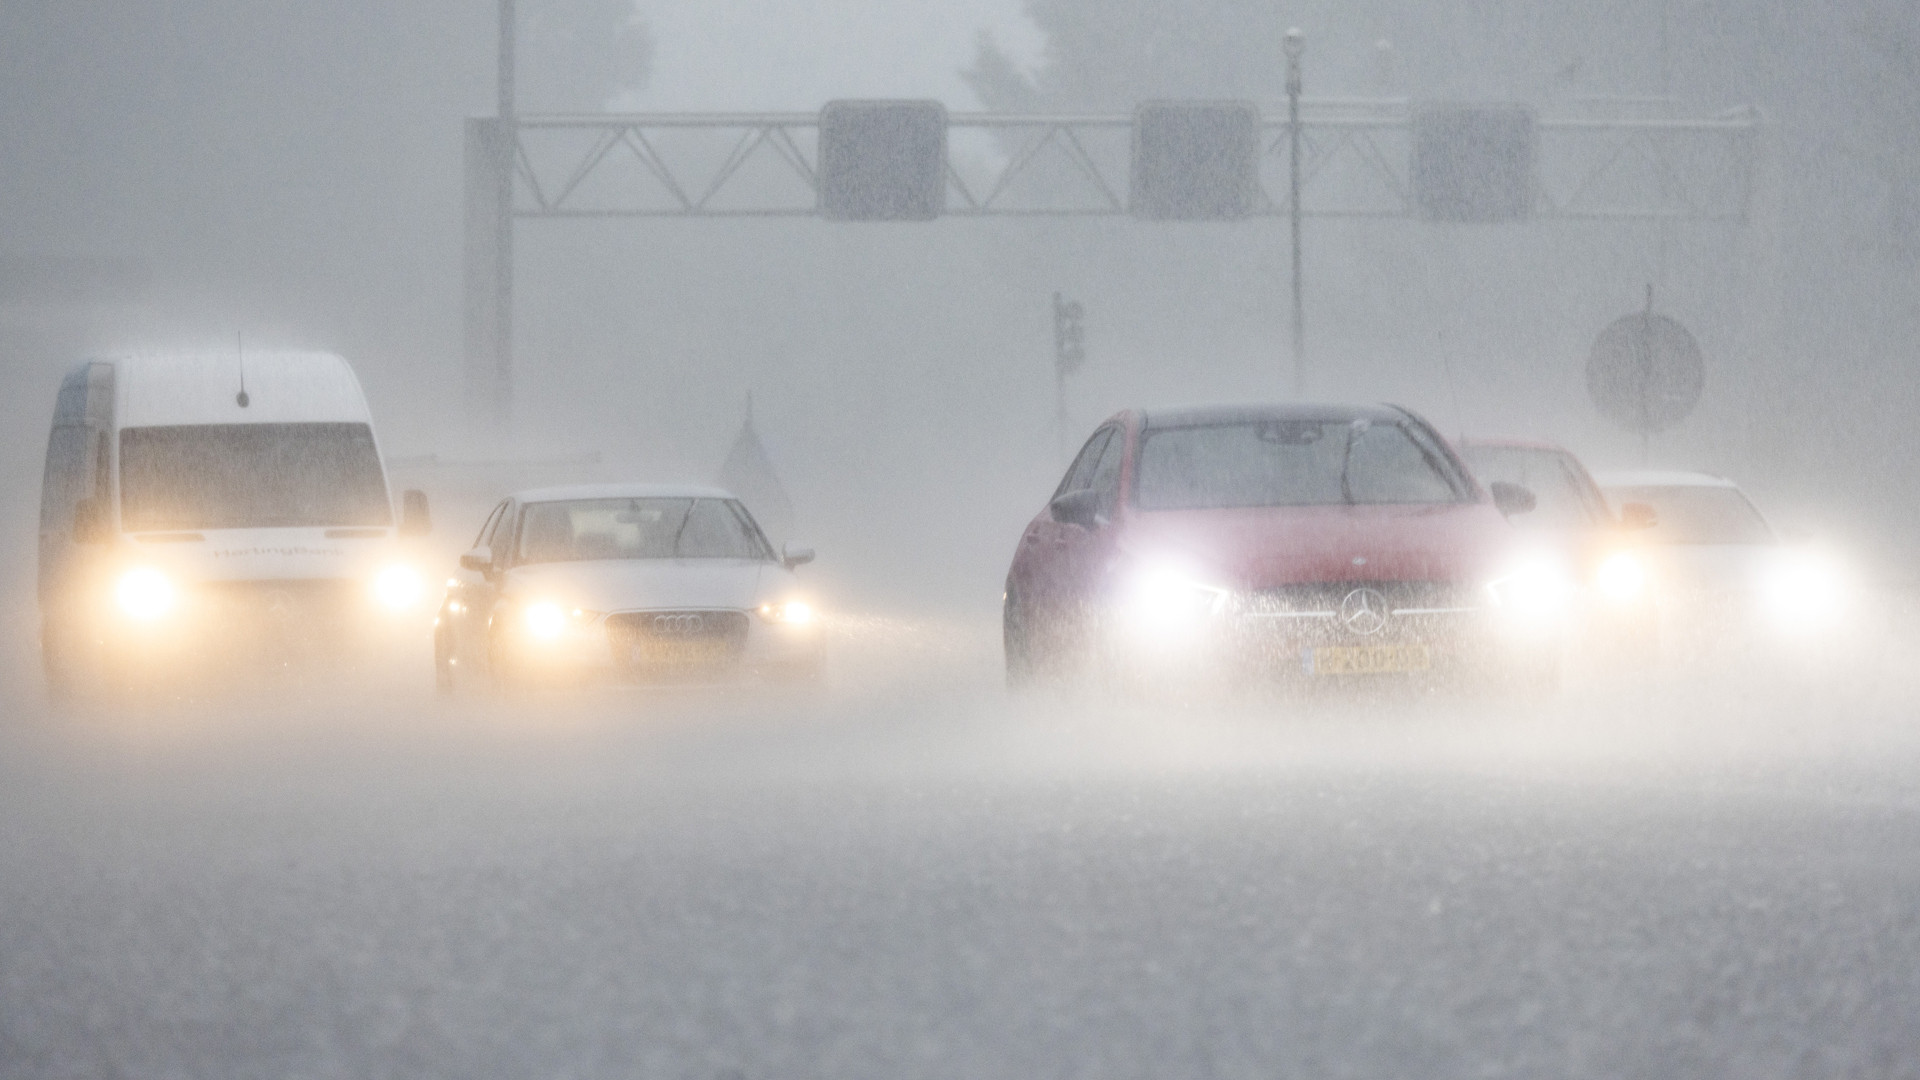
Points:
[[1701, 869]]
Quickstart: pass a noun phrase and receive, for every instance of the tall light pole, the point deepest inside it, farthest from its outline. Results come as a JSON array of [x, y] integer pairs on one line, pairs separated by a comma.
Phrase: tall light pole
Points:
[[503, 227], [1295, 42]]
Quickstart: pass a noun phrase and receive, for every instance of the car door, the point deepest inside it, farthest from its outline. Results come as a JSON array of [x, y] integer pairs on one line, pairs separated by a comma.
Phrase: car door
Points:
[[1043, 573], [1083, 552], [477, 591]]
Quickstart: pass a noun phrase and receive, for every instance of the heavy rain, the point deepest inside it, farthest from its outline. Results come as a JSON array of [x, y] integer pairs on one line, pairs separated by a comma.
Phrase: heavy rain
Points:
[[1098, 538]]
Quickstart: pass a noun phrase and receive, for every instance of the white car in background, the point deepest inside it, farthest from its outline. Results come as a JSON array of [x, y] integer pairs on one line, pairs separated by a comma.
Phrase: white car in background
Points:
[[1718, 570], [625, 583]]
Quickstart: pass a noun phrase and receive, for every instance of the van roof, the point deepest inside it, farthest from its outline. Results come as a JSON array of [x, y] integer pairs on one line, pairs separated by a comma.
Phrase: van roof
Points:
[[163, 389]]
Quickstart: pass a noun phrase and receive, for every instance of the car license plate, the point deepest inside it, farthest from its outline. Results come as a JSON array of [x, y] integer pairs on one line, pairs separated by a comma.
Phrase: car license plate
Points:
[[1365, 659], [679, 652]]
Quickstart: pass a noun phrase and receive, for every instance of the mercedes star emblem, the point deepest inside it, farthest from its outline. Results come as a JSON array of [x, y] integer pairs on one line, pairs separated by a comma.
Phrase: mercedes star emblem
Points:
[[1364, 611]]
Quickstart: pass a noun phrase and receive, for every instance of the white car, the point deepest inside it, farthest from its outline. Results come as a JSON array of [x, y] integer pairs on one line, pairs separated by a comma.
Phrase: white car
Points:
[[1718, 568], [625, 583]]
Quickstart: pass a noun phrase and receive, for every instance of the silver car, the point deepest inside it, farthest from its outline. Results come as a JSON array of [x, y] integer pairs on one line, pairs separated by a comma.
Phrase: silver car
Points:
[[625, 583]]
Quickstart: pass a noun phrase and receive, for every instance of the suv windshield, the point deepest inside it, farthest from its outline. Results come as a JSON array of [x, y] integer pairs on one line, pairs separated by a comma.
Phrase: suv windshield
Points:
[[1564, 499], [652, 528], [1289, 463], [1698, 515], [237, 476]]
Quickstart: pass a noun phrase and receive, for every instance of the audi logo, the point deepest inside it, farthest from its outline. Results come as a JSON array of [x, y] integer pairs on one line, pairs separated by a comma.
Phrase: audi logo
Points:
[[678, 625]]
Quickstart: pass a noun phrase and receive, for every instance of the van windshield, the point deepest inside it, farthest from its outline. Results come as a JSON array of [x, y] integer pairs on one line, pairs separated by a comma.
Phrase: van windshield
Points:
[[238, 476]]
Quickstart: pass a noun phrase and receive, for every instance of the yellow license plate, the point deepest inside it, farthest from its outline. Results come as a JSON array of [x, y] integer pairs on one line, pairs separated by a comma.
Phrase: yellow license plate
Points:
[[680, 652], [1366, 659]]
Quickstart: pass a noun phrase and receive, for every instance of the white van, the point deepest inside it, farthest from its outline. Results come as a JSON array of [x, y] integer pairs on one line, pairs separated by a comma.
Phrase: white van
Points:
[[205, 507]]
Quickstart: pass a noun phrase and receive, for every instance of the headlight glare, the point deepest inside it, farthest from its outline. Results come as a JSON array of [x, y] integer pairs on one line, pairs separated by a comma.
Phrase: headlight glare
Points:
[[1163, 599], [791, 612], [1621, 578], [1534, 588], [145, 594], [398, 587], [545, 620], [1804, 591]]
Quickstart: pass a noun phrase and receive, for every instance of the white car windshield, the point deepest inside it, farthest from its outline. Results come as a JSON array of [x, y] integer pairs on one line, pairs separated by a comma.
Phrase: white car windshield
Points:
[[1563, 497], [647, 528], [238, 476], [1698, 515], [1288, 463]]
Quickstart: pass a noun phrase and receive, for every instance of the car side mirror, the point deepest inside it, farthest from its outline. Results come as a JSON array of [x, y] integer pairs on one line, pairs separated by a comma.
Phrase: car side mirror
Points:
[[1638, 516], [1080, 508], [90, 525], [1511, 499], [414, 518], [479, 560], [792, 555]]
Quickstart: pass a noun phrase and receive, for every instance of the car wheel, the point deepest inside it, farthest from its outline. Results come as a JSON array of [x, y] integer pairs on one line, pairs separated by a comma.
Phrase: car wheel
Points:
[[1016, 639]]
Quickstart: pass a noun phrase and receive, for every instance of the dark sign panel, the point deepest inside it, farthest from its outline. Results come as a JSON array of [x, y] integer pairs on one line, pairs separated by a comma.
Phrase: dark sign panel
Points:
[[1195, 160], [883, 160], [1473, 163]]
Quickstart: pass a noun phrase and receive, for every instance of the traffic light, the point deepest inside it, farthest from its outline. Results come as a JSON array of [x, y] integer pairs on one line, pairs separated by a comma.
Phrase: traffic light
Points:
[[1473, 163], [883, 160], [1195, 160], [1069, 335]]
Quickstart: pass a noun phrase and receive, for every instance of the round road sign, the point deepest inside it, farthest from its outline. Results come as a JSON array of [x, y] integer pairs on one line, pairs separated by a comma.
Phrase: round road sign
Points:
[[1645, 372]]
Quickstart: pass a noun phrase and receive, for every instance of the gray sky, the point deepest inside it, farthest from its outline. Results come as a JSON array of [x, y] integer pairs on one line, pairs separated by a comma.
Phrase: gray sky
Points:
[[774, 54]]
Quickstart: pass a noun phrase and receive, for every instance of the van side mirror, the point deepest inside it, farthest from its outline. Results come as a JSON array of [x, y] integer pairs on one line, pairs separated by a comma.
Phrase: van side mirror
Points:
[[90, 525], [1080, 508], [1511, 499], [414, 518], [792, 556], [1638, 516], [479, 560]]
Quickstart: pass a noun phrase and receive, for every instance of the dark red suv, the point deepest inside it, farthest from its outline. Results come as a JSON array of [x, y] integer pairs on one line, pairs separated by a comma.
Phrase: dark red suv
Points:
[[1295, 540]]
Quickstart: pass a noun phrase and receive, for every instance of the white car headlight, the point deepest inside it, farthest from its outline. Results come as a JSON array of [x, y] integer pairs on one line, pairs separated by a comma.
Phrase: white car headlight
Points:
[[399, 587], [1803, 591], [1536, 587], [145, 594], [1621, 578], [790, 612]]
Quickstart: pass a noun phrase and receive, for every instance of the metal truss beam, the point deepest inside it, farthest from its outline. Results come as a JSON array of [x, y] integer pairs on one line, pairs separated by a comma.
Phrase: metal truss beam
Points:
[[1356, 165]]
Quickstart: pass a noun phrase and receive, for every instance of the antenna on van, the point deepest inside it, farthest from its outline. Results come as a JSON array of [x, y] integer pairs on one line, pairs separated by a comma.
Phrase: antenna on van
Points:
[[240, 352]]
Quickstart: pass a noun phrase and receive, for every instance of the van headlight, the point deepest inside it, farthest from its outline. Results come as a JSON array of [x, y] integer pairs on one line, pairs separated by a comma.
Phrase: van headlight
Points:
[[399, 587], [145, 594]]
